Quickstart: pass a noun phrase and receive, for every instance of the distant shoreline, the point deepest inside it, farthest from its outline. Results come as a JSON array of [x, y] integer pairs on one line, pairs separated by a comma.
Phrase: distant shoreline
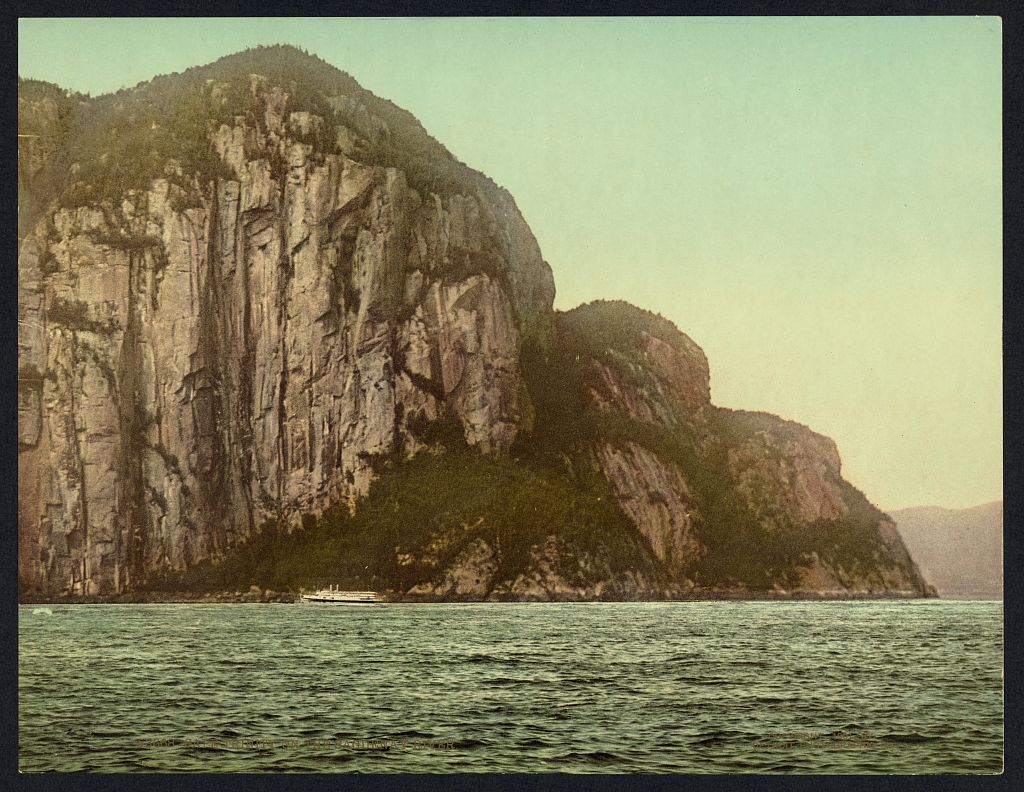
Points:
[[287, 598]]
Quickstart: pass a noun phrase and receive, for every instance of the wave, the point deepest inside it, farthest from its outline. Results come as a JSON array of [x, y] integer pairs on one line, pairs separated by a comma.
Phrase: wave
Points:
[[607, 695], [591, 756], [909, 738]]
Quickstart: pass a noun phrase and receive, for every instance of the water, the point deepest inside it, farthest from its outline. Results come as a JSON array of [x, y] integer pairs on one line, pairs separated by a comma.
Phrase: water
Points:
[[704, 687]]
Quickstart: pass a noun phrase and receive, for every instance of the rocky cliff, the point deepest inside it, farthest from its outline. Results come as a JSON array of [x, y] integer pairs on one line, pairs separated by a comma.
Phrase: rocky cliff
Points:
[[196, 363], [727, 500], [255, 298]]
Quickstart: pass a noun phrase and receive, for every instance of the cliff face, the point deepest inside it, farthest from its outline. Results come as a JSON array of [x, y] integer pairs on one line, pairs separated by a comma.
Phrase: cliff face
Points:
[[308, 292], [728, 500], [189, 373]]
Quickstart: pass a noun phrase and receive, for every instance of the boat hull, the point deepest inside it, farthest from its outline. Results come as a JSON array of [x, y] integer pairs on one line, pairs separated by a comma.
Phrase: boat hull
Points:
[[334, 596]]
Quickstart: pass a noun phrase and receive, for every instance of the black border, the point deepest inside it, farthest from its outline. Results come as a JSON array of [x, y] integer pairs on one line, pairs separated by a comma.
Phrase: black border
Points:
[[1013, 368]]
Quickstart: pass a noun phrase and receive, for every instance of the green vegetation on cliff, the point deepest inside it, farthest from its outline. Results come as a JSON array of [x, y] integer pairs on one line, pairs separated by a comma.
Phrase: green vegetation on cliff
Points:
[[421, 514], [757, 551], [46, 117], [605, 326], [452, 496], [122, 141]]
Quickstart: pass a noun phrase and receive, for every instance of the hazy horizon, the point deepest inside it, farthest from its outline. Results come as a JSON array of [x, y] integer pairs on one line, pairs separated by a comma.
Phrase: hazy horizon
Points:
[[977, 507], [816, 202]]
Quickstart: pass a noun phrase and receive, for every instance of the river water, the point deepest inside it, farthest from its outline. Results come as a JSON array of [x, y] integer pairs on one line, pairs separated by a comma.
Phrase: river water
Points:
[[688, 687]]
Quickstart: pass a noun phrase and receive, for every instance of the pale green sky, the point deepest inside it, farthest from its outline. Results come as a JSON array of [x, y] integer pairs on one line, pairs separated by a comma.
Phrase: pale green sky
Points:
[[816, 202]]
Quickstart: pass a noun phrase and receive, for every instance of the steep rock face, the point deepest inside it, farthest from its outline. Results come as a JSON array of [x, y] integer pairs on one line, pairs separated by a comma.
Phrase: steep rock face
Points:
[[655, 497], [795, 472], [727, 499], [190, 372], [656, 382]]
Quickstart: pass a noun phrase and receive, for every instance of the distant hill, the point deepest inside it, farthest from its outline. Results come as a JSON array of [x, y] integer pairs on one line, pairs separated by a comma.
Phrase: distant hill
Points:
[[959, 551]]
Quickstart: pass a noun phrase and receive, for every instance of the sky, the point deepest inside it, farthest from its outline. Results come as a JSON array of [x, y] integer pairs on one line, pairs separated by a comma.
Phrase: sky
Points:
[[817, 202]]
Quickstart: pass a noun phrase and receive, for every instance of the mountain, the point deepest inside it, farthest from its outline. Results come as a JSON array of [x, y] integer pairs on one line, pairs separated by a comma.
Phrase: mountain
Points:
[[959, 550], [270, 332]]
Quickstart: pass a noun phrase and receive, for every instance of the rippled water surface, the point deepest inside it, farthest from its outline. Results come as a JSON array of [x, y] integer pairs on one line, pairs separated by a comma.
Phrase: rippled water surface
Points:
[[715, 687]]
